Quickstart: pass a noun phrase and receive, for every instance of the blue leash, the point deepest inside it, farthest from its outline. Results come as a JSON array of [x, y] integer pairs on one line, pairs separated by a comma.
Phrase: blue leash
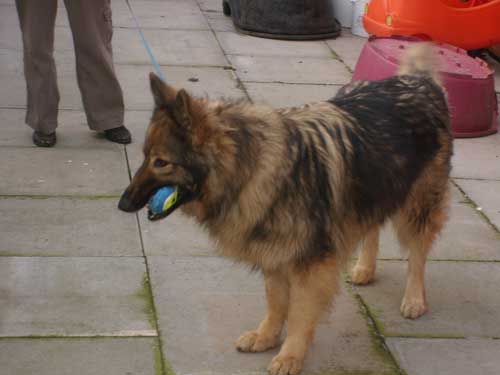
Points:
[[146, 44]]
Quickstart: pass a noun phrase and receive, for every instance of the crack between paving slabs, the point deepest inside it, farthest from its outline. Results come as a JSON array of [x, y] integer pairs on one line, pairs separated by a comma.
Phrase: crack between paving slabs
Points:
[[375, 329], [476, 207], [163, 368], [239, 82], [337, 57]]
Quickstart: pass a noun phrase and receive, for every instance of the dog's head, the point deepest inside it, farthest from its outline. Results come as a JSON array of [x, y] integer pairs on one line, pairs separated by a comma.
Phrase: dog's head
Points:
[[171, 148]]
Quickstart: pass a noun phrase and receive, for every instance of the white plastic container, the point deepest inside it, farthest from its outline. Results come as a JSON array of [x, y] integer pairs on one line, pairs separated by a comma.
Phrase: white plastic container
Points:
[[343, 12], [357, 27]]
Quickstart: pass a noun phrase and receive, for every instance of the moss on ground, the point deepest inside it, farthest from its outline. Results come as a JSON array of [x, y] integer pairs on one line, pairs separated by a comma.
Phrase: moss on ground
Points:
[[335, 56], [145, 294], [159, 363], [425, 336], [162, 366], [375, 329], [343, 372]]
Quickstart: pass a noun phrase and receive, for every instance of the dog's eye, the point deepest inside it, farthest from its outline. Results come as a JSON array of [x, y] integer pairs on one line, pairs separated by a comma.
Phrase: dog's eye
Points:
[[160, 163]]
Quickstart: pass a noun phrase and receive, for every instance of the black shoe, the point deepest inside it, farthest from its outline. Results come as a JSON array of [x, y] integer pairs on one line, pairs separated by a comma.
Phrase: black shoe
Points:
[[44, 140], [118, 135]]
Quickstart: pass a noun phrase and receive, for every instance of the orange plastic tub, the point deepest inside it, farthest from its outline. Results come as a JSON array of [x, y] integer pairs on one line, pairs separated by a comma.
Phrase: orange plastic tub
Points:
[[468, 24]]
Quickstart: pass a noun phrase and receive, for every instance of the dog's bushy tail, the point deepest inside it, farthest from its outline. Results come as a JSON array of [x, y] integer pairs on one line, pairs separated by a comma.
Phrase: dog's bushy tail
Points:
[[419, 60]]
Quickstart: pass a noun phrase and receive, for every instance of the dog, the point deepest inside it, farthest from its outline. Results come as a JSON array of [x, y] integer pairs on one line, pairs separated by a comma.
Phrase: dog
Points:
[[293, 192]]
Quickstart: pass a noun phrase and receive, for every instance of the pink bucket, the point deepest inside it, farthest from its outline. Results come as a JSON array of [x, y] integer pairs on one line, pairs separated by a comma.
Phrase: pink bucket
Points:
[[469, 82]]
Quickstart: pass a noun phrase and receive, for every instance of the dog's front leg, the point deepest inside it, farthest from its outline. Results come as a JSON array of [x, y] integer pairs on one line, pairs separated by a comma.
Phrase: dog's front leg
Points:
[[268, 334], [311, 292]]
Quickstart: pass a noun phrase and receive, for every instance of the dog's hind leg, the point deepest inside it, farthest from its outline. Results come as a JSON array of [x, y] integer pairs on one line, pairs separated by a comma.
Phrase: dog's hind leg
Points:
[[268, 334], [364, 270], [311, 292], [417, 225]]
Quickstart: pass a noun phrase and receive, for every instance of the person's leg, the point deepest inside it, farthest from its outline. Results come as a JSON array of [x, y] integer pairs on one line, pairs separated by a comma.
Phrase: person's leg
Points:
[[37, 19], [102, 96]]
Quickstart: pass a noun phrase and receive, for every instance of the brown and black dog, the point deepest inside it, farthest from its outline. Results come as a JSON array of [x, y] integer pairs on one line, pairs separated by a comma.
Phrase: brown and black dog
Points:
[[292, 192]]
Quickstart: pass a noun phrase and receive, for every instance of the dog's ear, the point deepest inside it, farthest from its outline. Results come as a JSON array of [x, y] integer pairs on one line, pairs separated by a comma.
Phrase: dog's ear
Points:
[[182, 110], [190, 116], [162, 93]]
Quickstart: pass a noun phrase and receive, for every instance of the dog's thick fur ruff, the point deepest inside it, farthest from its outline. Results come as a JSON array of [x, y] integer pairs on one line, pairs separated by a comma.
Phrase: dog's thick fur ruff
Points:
[[292, 192]]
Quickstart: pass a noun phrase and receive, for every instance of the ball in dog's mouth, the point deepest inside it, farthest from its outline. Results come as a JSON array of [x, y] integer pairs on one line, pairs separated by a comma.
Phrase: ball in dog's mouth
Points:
[[166, 200]]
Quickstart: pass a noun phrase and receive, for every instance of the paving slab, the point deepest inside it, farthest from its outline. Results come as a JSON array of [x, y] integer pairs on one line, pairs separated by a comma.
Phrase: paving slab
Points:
[[14, 131], [218, 21], [446, 357], [137, 122], [477, 158], [62, 171], [10, 34], [13, 88], [486, 194], [43, 296], [176, 235], [463, 299], [68, 87], [168, 14], [170, 47], [211, 5], [289, 95], [67, 227], [184, 47], [290, 69], [181, 47], [204, 304], [201, 81], [347, 47], [175, 47], [240, 44], [466, 236], [110, 356], [127, 47]]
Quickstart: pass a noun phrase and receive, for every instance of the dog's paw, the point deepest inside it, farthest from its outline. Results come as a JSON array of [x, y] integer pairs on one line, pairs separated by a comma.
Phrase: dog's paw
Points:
[[285, 365], [412, 308], [252, 342], [362, 275]]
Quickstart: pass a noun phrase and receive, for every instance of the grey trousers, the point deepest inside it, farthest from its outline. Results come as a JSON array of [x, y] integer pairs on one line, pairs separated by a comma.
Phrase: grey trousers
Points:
[[92, 30]]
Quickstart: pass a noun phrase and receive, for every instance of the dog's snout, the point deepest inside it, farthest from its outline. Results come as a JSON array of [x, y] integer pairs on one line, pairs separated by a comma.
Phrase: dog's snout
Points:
[[126, 204]]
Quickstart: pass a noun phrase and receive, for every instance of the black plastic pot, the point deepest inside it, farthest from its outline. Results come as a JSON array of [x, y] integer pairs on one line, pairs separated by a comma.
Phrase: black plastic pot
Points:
[[284, 19]]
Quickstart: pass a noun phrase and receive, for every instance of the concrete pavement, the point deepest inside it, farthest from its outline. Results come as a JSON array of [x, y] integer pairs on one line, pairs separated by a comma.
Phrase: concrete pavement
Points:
[[86, 289]]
